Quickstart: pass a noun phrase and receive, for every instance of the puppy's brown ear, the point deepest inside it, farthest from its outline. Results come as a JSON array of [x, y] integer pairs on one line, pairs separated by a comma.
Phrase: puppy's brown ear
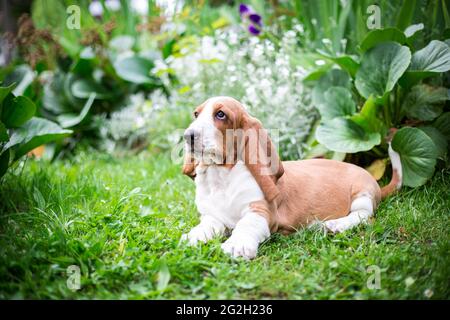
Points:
[[189, 165], [260, 156]]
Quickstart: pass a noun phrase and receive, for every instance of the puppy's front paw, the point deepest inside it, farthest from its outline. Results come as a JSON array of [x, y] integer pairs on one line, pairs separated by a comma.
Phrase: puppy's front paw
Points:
[[336, 226], [195, 236], [243, 247]]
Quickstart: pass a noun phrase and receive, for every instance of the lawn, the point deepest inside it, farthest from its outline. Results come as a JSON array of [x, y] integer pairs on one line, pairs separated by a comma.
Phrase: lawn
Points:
[[120, 221]]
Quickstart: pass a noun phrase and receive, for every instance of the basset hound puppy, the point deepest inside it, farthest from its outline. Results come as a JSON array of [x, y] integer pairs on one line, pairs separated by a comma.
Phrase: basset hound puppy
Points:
[[241, 184]]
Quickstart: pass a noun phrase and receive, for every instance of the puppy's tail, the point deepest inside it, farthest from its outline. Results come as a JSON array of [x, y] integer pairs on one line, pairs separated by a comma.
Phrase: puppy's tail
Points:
[[396, 181]]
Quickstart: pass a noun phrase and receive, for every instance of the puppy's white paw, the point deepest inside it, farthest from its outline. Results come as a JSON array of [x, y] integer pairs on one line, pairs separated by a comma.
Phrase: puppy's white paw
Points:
[[336, 225], [195, 236], [243, 247]]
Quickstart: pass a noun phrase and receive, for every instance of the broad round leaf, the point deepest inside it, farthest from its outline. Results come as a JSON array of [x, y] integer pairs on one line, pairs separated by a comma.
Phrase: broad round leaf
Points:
[[68, 120], [424, 102], [378, 36], [418, 155], [381, 67], [333, 78], [337, 102], [35, 132], [17, 110], [67, 80], [135, 69], [427, 62], [122, 43], [438, 138], [435, 57], [443, 124], [4, 91], [53, 97], [367, 118], [21, 76], [83, 88], [346, 62], [344, 135]]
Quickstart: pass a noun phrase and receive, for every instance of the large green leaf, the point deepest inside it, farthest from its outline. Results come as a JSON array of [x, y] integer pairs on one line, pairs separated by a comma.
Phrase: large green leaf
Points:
[[135, 69], [346, 62], [337, 102], [368, 119], [3, 134], [333, 78], [381, 67], [68, 79], [68, 120], [378, 36], [53, 97], [424, 102], [427, 62], [435, 57], [438, 138], [17, 110], [35, 132], [443, 124], [122, 43], [344, 135], [22, 76], [4, 91], [418, 155], [83, 88]]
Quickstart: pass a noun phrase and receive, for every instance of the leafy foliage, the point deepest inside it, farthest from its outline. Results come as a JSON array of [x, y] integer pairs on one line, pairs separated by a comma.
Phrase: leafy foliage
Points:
[[387, 77], [20, 131]]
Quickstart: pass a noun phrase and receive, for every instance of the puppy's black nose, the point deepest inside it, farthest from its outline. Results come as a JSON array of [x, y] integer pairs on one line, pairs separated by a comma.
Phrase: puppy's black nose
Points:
[[190, 135]]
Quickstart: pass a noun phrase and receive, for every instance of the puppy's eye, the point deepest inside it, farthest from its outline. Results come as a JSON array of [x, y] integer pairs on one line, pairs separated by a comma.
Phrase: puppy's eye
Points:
[[195, 114], [220, 115]]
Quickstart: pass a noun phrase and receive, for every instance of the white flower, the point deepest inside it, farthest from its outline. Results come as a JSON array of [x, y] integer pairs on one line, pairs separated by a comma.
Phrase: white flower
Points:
[[140, 6], [113, 5], [96, 9]]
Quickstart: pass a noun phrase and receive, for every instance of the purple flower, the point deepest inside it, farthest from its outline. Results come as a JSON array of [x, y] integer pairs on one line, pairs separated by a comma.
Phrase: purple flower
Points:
[[244, 9], [250, 18], [255, 18], [253, 30]]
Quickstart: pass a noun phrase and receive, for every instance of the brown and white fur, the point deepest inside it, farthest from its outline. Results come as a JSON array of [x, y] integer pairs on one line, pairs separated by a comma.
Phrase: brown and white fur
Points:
[[239, 195]]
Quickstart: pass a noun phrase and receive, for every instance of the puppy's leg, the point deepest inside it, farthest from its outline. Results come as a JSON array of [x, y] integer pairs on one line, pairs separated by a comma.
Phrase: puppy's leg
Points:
[[360, 212], [204, 231], [249, 232]]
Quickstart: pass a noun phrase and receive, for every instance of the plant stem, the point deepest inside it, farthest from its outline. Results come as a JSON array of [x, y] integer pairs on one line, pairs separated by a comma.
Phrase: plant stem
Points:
[[386, 111]]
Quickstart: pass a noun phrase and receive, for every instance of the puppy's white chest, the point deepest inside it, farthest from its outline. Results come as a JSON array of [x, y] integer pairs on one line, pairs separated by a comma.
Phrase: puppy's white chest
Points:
[[225, 193]]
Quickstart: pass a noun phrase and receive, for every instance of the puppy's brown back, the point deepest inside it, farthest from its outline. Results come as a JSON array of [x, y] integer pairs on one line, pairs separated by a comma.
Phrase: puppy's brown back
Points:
[[320, 189]]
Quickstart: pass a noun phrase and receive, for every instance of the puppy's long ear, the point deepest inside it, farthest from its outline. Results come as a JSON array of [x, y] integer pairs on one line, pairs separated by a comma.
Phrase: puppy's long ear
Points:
[[260, 156], [189, 165]]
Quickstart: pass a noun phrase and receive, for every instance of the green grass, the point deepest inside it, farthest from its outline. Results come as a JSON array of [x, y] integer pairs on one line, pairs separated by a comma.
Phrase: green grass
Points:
[[120, 221]]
